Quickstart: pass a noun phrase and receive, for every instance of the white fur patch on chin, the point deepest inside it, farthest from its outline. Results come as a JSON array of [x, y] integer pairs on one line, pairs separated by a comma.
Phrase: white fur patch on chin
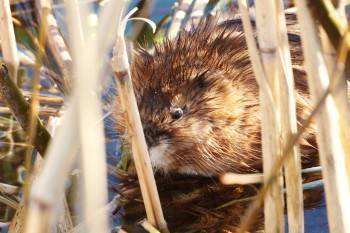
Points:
[[158, 158]]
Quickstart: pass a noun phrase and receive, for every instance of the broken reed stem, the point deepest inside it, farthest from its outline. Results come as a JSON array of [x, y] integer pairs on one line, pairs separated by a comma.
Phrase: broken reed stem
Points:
[[135, 130], [8, 40], [179, 15], [288, 119], [331, 151], [19, 107], [57, 45], [271, 124]]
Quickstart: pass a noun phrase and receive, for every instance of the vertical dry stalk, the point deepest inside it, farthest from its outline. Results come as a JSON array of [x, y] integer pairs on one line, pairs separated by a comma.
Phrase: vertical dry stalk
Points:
[[8, 40], [57, 44], [179, 16], [271, 128], [93, 158], [292, 167], [135, 130], [332, 154]]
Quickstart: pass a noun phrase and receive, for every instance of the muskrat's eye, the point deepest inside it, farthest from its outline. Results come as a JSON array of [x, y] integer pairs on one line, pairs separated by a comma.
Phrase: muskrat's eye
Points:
[[176, 113]]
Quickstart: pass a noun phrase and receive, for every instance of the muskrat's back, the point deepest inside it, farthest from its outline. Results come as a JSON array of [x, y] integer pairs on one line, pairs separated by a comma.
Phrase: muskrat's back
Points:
[[199, 103]]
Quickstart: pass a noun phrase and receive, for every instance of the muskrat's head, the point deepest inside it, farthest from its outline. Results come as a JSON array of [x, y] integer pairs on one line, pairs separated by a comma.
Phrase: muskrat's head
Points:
[[198, 103]]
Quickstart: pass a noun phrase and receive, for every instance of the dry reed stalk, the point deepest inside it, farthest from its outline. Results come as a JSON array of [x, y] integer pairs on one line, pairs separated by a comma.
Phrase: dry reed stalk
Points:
[[57, 45], [271, 125], [179, 16], [135, 130], [292, 167], [8, 39], [332, 154], [93, 158], [197, 13]]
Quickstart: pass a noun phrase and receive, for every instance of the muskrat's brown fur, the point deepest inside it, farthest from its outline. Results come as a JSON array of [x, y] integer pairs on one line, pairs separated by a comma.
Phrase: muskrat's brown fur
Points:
[[207, 73]]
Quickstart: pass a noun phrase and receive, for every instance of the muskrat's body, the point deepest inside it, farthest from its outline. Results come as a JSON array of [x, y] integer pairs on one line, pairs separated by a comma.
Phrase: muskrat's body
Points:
[[199, 103]]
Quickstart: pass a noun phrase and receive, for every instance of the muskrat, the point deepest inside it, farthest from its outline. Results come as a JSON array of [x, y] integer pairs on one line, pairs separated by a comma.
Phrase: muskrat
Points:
[[199, 103]]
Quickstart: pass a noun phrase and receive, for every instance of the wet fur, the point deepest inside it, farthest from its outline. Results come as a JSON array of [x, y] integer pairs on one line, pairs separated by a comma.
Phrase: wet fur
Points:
[[207, 73]]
